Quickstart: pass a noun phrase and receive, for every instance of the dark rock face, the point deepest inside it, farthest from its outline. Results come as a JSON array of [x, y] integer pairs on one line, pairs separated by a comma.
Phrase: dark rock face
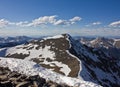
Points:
[[104, 71], [14, 79], [19, 56], [96, 65]]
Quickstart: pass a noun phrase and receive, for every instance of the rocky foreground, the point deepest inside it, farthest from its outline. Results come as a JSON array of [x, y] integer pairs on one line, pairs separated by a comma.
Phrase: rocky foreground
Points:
[[14, 79]]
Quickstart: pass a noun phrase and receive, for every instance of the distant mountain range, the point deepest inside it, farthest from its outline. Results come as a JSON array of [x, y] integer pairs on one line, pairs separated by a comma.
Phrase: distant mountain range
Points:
[[108, 46], [13, 41], [93, 61]]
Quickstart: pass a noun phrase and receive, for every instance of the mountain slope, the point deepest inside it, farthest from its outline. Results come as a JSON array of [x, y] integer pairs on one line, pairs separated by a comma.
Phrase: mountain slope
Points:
[[64, 55], [50, 52], [31, 69]]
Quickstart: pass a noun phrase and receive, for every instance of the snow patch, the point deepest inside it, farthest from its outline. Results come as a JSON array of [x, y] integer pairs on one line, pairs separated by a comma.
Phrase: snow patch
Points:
[[45, 53], [39, 54], [14, 50], [63, 67]]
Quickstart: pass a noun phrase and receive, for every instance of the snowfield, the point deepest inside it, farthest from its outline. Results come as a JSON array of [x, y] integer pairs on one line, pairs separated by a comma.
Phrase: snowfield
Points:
[[30, 68], [44, 52]]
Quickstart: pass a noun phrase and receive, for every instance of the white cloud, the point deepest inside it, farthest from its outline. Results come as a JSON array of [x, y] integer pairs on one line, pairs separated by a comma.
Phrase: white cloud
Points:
[[115, 24], [96, 23], [22, 24], [61, 22], [52, 20], [43, 20], [3, 22], [75, 19], [68, 22]]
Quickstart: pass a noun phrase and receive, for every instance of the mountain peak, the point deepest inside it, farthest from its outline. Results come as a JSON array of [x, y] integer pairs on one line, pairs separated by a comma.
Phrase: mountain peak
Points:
[[66, 35], [51, 52], [64, 55]]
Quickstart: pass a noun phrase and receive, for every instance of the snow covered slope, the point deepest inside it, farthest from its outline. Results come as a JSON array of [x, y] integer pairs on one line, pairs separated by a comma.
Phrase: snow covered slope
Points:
[[30, 68], [66, 56], [51, 52]]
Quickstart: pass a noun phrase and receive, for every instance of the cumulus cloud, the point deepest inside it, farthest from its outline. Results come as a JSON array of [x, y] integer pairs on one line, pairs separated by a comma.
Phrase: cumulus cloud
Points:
[[3, 22], [44, 20], [61, 22], [115, 24], [68, 22], [52, 20], [75, 19]]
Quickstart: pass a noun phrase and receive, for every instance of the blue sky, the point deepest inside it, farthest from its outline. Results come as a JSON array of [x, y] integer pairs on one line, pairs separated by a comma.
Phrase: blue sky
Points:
[[51, 17]]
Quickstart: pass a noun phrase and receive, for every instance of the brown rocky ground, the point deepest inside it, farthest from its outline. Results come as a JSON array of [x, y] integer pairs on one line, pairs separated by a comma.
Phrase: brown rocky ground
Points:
[[14, 79]]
